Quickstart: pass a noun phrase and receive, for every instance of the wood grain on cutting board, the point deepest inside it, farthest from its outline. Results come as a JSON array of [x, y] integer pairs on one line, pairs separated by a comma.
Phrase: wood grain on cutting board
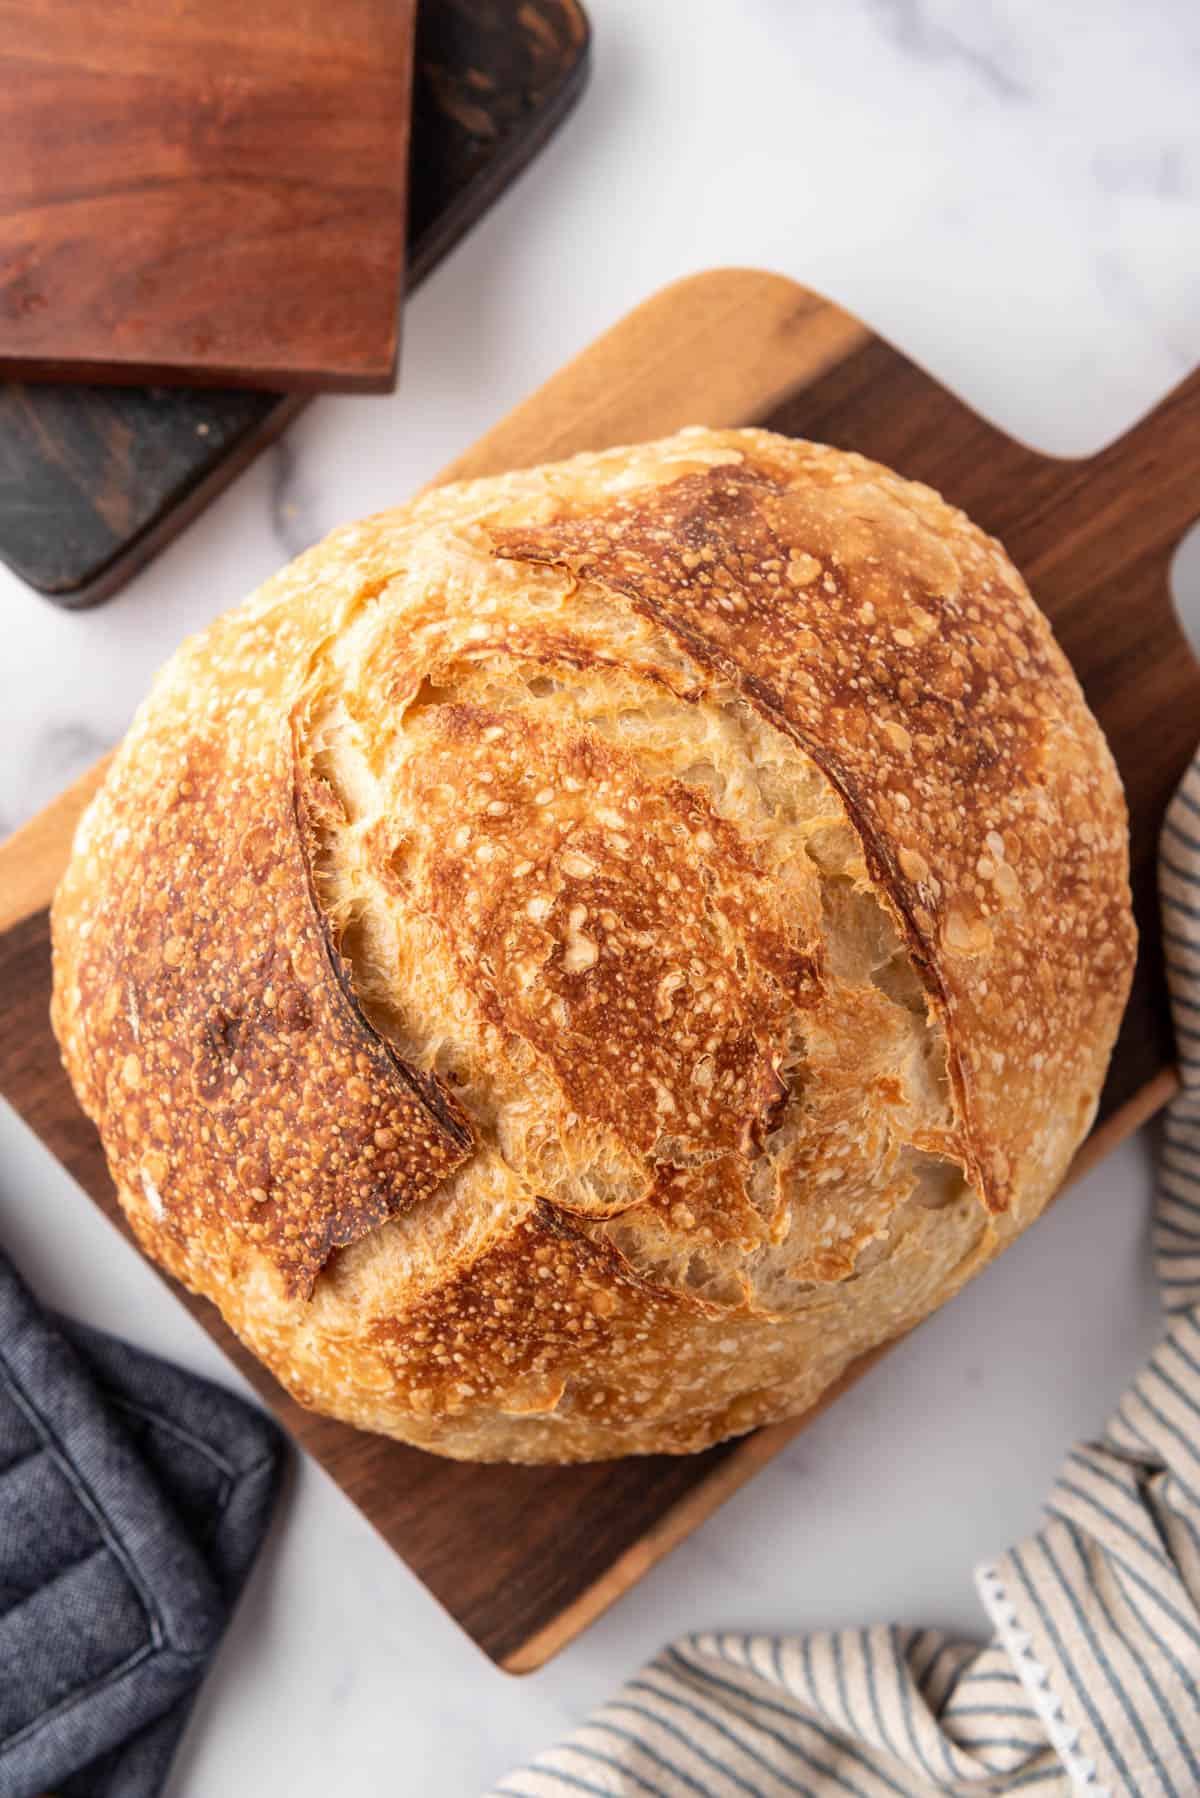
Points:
[[523, 1558], [94, 480], [208, 192]]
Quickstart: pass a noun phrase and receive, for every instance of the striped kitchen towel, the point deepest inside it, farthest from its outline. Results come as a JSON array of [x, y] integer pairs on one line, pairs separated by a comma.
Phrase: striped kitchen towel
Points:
[[1091, 1683]]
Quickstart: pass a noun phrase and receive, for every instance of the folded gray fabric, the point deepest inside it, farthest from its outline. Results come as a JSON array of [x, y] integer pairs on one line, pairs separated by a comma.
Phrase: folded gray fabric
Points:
[[133, 1499]]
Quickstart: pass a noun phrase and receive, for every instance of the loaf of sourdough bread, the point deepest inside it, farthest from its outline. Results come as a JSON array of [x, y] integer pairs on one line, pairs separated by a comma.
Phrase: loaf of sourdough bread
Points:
[[575, 960]]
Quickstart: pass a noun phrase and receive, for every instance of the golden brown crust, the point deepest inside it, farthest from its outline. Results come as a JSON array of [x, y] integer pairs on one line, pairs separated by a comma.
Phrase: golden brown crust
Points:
[[887, 633], [562, 965], [224, 1052]]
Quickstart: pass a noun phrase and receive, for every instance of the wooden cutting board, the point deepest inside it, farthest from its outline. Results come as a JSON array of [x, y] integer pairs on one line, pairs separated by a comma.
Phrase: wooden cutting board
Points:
[[210, 191], [95, 480], [523, 1558]]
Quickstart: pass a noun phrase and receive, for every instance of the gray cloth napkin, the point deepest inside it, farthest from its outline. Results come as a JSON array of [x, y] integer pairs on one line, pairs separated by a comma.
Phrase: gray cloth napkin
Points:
[[133, 1500], [1091, 1683]]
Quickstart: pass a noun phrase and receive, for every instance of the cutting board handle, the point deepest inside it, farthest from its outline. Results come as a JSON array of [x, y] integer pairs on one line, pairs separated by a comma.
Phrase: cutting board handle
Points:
[[1159, 459]]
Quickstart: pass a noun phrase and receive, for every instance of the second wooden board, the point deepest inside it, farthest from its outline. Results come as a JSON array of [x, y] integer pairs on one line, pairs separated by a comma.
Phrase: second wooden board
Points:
[[524, 1558], [95, 480], [212, 193]]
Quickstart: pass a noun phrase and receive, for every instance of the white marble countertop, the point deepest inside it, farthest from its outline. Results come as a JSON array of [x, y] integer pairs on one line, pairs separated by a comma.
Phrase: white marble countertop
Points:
[[1012, 193]]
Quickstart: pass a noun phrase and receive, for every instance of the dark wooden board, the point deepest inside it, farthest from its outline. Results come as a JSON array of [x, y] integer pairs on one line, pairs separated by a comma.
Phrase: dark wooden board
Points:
[[524, 1558], [95, 480], [212, 191]]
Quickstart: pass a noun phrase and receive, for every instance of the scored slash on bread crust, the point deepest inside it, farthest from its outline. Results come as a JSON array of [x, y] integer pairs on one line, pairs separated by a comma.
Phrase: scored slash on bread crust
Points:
[[577, 959]]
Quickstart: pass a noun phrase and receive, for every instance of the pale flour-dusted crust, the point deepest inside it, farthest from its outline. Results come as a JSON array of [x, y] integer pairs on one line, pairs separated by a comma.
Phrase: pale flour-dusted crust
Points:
[[574, 961]]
